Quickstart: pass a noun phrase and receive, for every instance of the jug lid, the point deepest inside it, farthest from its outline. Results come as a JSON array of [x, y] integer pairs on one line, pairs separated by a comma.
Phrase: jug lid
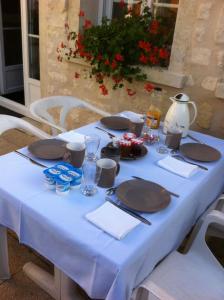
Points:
[[181, 97]]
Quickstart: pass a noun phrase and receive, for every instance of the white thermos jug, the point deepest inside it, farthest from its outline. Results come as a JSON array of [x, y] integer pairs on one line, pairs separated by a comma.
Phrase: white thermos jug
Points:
[[178, 114]]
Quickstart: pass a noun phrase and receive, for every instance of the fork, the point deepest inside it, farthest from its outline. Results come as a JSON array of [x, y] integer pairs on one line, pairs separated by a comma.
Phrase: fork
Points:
[[179, 157]]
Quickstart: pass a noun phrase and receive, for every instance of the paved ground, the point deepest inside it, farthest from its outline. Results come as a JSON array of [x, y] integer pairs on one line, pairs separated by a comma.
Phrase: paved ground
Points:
[[19, 287]]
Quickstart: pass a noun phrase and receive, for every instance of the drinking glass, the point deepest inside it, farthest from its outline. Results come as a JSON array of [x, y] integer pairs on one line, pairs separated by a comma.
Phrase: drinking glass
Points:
[[90, 177], [92, 142], [161, 148]]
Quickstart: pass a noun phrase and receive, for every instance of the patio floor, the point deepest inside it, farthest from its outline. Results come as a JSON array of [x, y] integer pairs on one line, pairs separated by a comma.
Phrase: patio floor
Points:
[[19, 287]]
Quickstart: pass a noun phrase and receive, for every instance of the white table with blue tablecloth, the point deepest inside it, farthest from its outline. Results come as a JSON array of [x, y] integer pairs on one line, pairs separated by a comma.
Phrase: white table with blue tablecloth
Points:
[[56, 226]]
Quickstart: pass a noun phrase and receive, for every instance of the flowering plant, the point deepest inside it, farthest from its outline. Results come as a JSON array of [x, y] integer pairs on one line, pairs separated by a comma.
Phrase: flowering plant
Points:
[[118, 47]]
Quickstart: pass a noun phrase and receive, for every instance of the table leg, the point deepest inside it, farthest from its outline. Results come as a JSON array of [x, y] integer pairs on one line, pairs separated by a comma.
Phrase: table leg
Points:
[[4, 260], [59, 286]]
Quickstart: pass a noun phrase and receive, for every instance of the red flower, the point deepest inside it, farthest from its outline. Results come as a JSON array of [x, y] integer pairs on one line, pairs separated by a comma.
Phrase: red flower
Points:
[[122, 4], [163, 53], [99, 57], [116, 79], [88, 24], [77, 75], [81, 13], [144, 45], [149, 87], [119, 57], [154, 27], [143, 59], [103, 89], [155, 49], [107, 62], [130, 92], [153, 60], [114, 65], [63, 45]]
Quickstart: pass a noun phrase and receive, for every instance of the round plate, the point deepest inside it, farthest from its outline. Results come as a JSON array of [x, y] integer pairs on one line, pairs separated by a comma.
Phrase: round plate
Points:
[[115, 122], [132, 156], [48, 149], [200, 152], [142, 195]]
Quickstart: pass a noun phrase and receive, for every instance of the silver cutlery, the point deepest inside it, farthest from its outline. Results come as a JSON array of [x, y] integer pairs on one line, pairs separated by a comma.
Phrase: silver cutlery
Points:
[[30, 159], [130, 212], [195, 139], [110, 134], [111, 191], [171, 193], [179, 157]]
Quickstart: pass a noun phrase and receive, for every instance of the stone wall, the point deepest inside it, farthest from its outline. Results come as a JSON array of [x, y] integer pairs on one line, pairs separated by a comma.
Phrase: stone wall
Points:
[[198, 53]]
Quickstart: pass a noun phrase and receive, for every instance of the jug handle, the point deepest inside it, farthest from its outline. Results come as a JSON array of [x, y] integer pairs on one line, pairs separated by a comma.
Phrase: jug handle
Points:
[[195, 111]]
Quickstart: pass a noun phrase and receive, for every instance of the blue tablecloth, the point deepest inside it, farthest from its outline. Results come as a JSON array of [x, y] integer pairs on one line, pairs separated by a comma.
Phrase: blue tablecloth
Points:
[[56, 227]]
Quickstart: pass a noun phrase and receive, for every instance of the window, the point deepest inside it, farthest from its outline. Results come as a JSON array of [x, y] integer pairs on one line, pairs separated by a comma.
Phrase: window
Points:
[[97, 9], [33, 38]]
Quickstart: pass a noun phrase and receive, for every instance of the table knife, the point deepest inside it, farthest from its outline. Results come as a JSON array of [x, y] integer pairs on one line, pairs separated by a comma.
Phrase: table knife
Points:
[[195, 139], [131, 213], [171, 193], [30, 159], [110, 134]]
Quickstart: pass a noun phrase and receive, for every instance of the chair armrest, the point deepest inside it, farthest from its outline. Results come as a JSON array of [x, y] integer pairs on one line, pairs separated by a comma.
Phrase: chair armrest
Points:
[[220, 204], [214, 216]]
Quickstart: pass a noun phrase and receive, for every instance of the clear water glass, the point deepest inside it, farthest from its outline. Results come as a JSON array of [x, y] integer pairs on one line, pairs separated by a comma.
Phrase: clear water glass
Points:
[[161, 148], [90, 177], [92, 142]]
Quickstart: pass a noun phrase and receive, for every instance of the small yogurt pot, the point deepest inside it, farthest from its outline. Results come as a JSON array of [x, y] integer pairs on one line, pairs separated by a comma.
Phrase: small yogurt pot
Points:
[[76, 175], [63, 184], [63, 166], [50, 177]]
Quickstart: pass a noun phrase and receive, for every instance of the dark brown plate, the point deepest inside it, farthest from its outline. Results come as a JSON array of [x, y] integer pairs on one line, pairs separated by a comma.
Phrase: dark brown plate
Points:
[[48, 149], [115, 122], [200, 152], [144, 196], [141, 151]]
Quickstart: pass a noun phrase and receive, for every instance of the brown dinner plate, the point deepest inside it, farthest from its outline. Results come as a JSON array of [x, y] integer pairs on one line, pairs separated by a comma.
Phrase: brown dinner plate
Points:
[[143, 196], [137, 153], [115, 122], [200, 152], [48, 149]]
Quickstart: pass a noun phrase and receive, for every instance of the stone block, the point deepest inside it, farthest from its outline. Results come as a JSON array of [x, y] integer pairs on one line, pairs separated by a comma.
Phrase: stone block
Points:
[[209, 83], [220, 59], [204, 10], [201, 56], [190, 81], [199, 33], [219, 92], [219, 33]]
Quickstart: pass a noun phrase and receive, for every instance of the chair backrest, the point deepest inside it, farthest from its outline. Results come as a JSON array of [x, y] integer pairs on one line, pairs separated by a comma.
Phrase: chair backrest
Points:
[[199, 245], [9, 122], [40, 109]]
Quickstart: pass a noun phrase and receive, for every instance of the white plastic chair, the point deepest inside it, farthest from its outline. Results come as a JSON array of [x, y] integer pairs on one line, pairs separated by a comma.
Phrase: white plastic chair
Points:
[[9, 122], [196, 275], [214, 230], [39, 109]]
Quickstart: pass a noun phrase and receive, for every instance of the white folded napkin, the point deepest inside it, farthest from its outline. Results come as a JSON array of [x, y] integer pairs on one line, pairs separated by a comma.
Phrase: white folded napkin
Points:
[[130, 115], [178, 167], [112, 220], [72, 137]]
